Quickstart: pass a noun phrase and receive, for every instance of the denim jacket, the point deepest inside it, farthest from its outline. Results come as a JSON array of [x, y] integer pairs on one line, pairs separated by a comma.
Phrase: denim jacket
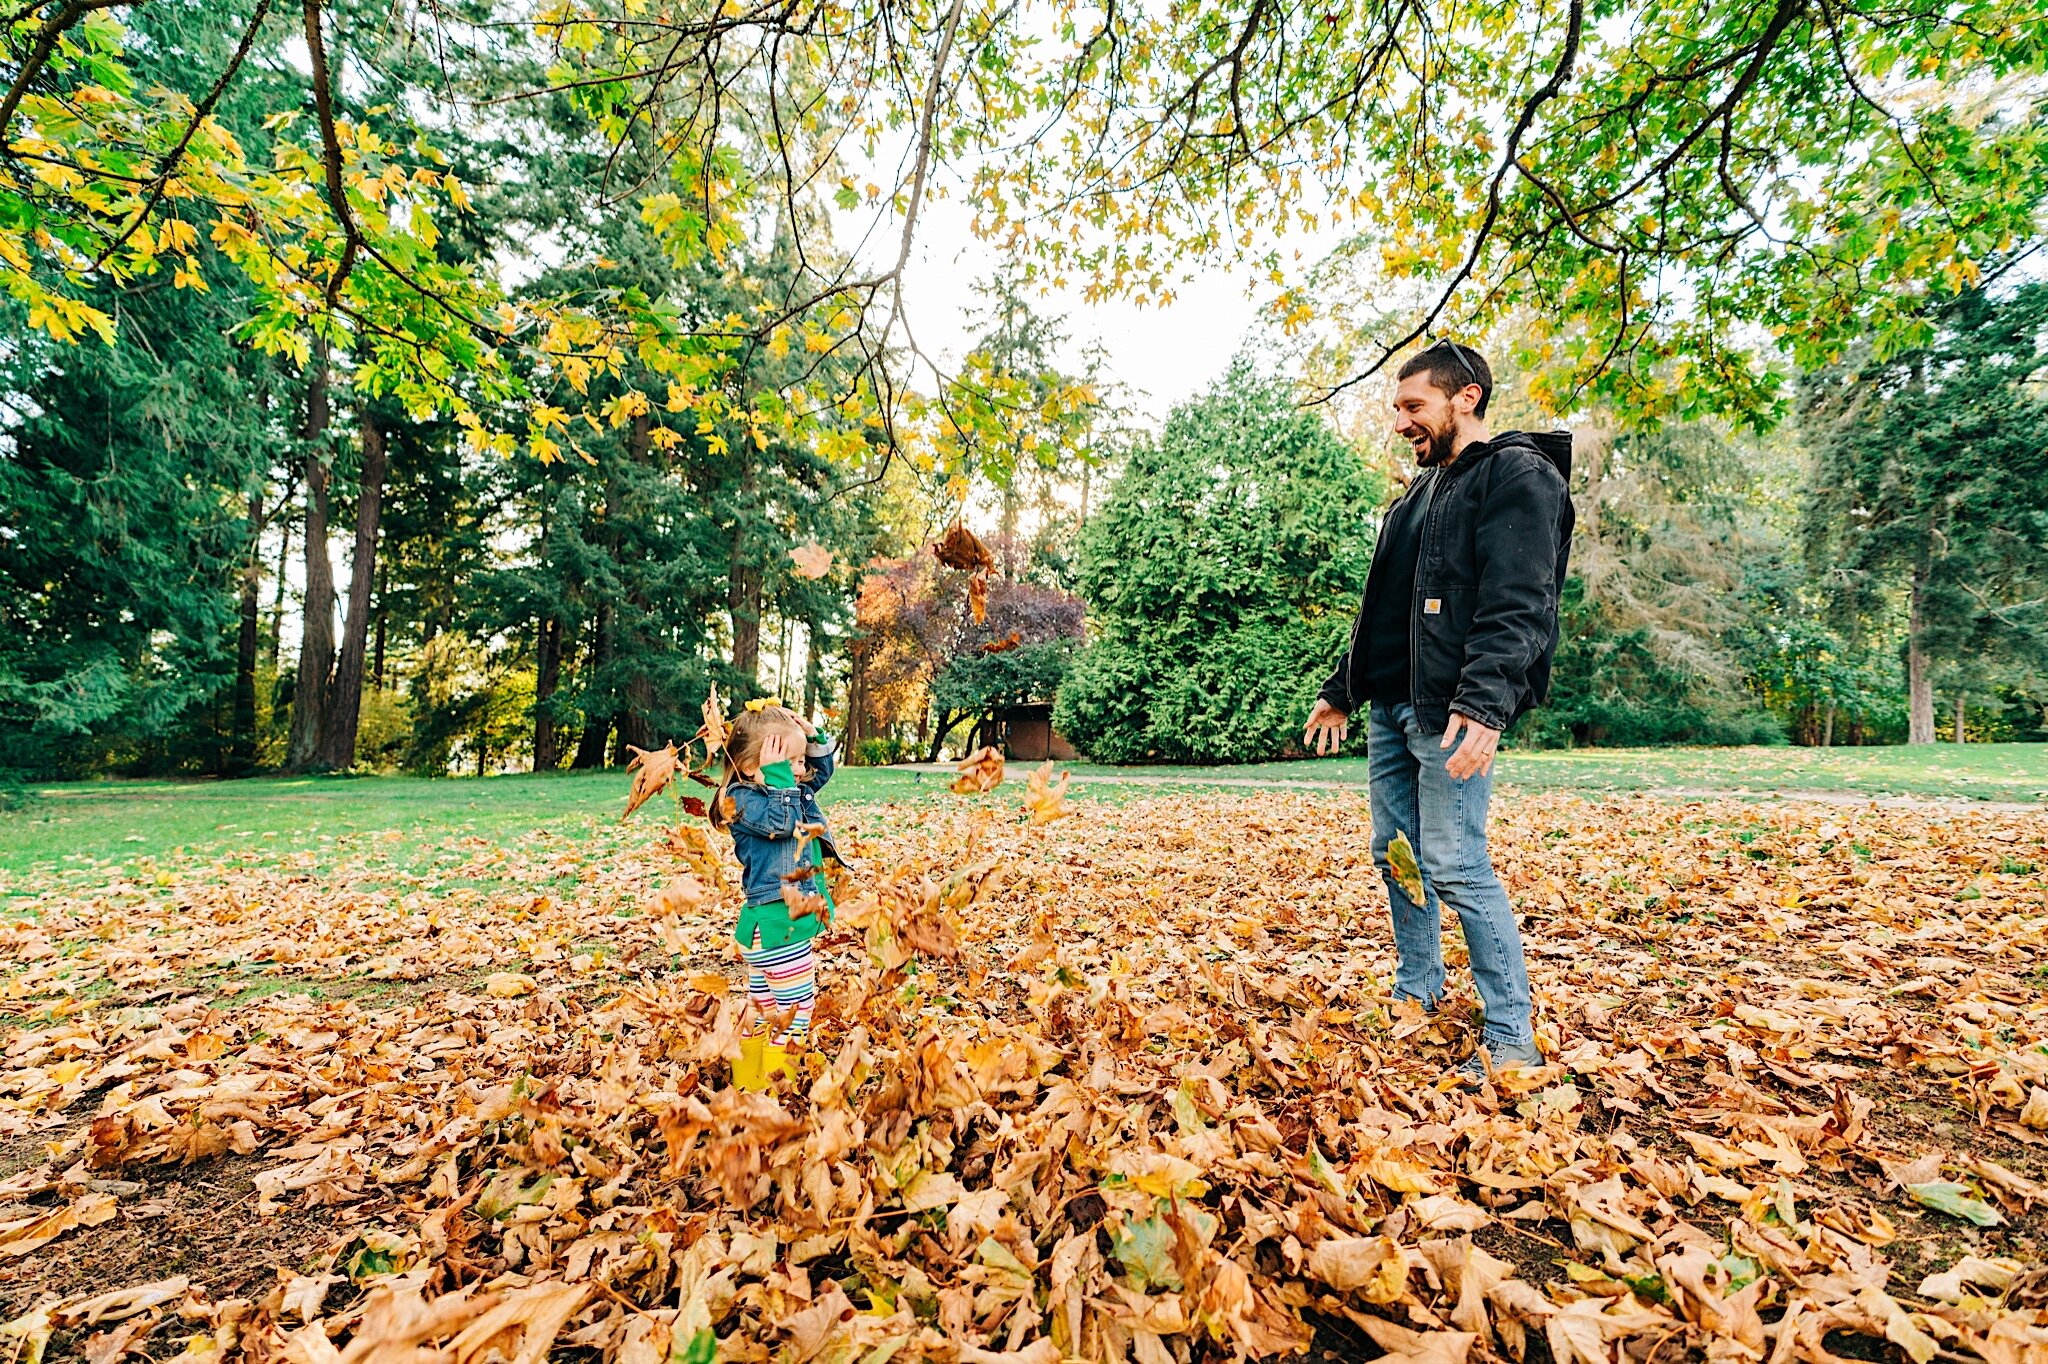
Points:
[[764, 825]]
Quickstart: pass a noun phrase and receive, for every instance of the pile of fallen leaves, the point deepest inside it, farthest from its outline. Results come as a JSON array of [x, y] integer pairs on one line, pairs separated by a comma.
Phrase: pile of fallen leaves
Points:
[[1128, 1085]]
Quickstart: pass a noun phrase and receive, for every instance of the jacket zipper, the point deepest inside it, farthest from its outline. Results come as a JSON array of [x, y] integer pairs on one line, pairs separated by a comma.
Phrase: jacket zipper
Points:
[[1415, 592]]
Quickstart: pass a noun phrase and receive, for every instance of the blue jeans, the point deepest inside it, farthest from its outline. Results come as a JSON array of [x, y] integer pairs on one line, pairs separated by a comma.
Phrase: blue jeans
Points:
[[1446, 821]]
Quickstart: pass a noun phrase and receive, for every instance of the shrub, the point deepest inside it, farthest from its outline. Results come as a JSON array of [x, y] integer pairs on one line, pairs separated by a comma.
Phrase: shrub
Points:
[[1221, 578]]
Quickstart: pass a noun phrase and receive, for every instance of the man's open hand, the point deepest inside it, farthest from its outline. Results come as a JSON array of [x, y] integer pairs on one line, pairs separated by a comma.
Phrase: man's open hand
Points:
[[1327, 729], [1474, 756]]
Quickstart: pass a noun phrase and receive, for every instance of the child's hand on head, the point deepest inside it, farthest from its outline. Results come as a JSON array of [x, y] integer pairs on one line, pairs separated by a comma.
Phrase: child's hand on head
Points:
[[781, 746]]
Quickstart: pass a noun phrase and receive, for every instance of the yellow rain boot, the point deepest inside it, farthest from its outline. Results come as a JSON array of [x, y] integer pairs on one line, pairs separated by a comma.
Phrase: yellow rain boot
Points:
[[746, 1072], [776, 1061]]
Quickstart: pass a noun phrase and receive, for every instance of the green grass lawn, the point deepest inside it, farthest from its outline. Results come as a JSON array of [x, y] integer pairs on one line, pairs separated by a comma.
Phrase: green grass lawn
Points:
[[83, 823], [2008, 772], [88, 825]]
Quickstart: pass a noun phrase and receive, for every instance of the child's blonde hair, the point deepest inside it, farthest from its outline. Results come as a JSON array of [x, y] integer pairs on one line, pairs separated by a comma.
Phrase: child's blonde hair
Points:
[[743, 744]]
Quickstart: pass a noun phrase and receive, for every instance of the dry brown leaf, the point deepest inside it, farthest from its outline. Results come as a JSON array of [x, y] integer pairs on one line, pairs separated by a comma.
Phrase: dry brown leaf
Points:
[[119, 1303], [653, 769], [1002, 646], [961, 548], [683, 894], [509, 985], [19, 1237], [980, 771], [812, 560], [1405, 1346], [1373, 1266], [1045, 800], [714, 722]]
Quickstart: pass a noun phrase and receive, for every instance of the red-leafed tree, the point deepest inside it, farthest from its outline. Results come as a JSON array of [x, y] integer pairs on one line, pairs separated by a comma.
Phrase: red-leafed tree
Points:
[[923, 660]]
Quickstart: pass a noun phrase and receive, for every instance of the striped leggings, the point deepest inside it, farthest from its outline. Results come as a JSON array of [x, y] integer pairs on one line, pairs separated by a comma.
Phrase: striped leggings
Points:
[[782, 978]]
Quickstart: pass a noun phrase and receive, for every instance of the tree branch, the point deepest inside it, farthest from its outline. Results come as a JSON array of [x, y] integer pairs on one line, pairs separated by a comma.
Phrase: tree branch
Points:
[[1560, 73]]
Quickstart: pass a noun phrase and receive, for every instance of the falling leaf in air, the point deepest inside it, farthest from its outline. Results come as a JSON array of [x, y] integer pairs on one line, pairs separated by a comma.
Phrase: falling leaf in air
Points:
[[1046, 800], [652, 770], [714, 722], [961, 548], [684, 894], [980, 771], [812, 560], [1407, 871]]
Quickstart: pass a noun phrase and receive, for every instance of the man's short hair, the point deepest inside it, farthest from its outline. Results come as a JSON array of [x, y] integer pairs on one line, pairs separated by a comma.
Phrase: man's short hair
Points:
[[1454, 368]]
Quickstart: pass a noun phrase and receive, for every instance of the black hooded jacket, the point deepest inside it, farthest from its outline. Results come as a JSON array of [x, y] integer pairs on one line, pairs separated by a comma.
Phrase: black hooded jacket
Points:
[[1496, 528]]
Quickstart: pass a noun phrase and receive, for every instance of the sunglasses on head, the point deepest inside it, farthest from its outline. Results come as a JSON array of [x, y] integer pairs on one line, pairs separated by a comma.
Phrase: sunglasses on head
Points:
[[1457, 352]]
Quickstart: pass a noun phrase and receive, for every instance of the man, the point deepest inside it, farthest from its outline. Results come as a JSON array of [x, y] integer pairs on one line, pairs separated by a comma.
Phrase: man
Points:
[[1453, 642]]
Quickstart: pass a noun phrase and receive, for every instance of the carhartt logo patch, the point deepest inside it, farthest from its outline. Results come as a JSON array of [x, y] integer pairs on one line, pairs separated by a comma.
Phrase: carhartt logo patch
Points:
[[1432, 606]]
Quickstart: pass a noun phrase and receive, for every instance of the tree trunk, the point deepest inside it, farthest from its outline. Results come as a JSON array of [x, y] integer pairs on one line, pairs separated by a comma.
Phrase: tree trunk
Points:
[[242, 749], [743, 601], [547, 676], [947, 723], [284, 551], [345, 697], [316, 634], [743, 586], [597, 728], [1827, 732], [1962, 716], [383, 622], [856, 725], [1919, 683], [635, 727], [814, 672], [1007, 526]]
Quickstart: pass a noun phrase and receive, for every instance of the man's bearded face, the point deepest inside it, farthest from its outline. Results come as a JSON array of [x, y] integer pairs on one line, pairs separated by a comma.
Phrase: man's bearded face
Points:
[[1425, 418]]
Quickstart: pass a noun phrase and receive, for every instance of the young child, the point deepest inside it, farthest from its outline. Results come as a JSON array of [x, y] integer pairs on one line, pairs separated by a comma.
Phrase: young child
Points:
[[775, 764]]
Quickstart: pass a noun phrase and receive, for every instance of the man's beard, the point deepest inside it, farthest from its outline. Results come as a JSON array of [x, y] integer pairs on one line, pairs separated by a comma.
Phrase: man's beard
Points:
[[1439, 449]]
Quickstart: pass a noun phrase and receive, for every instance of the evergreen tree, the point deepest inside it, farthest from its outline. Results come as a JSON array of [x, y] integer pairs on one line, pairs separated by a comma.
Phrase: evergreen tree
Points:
[[1930, 486], [1221, 577]]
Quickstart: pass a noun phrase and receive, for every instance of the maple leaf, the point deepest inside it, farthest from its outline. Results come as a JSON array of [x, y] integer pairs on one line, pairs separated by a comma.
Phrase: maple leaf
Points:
[[1406, 1346], [1044, 799], [961, 548], [980, 771], [812, 560], [19, 1237], [1005, 644], [684, 894], [1373, 1266], [1407, 871], [977, 596], [714, 722], [653, 769]]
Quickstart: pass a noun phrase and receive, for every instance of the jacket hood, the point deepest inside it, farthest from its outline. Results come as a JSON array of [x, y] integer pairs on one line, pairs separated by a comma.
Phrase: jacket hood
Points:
[[1555, 446]]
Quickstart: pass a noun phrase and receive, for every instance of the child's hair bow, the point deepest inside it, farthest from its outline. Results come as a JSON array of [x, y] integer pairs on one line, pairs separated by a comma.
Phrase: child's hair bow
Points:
[[763, 702]]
